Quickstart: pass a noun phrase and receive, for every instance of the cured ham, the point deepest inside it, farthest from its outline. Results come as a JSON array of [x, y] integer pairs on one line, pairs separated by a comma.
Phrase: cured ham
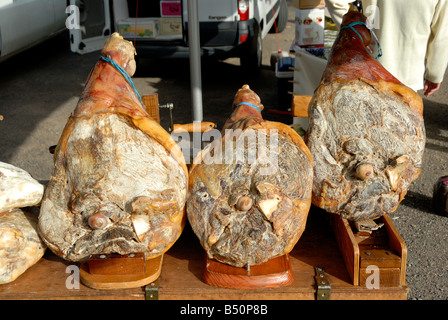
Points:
[[119, 181], [20, 244], [18, 188], [366, 130], [250, 190]]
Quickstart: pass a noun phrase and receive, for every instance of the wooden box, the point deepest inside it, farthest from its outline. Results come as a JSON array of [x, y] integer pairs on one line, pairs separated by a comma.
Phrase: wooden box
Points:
[[151, 103]]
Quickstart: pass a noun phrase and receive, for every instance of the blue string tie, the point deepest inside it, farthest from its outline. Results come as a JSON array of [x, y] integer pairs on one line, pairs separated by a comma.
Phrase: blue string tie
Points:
[[350, 26], [248, 104], [124, 73]]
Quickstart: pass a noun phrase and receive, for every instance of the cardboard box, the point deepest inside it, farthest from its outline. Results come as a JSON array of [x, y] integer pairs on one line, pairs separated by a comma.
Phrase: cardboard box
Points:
[[147, 28], [308, 4], [170, 9], [309, 27], [170, 26]]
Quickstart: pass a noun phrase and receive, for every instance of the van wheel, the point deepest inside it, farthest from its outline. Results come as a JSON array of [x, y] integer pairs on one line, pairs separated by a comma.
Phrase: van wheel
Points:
[[250, 59], [282, 18]]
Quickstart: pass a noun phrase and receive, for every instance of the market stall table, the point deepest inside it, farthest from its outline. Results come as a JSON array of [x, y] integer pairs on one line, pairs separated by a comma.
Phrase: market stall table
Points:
[[182, 270]]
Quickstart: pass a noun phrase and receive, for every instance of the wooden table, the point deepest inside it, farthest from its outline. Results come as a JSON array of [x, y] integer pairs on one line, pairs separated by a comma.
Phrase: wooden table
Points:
[[182, 273]]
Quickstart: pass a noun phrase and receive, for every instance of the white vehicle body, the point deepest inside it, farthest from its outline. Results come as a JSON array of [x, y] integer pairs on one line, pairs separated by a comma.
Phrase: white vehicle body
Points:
[[228, 28], [25, 23]]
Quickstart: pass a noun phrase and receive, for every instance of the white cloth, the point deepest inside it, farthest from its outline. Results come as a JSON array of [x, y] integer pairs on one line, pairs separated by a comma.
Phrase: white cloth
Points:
[[308, 72]]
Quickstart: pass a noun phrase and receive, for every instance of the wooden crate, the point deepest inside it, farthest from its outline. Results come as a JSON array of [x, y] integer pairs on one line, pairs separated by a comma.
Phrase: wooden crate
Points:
[[182, 271], [151, 103]]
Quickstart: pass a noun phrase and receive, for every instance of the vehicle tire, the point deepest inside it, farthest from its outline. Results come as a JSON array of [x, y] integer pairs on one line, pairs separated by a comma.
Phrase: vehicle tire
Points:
[[251, 58], [282, 18]]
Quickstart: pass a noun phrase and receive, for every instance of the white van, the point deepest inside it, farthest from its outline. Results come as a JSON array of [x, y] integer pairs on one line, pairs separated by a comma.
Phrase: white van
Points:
[[159, 28], [26, 23]]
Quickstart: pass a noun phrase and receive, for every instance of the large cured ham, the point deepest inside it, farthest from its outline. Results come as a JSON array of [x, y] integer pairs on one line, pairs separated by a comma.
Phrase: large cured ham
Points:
[[119, 180], [366, 131], [250, 192]]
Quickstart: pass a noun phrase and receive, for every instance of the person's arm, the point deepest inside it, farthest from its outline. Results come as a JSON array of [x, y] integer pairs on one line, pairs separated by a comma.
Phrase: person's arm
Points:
[[437, 50], [431, 87]]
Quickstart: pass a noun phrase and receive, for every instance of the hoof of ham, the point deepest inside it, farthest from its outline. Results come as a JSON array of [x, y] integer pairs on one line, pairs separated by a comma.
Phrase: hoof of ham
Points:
[[366, 131], [250, 191], [119, 182]]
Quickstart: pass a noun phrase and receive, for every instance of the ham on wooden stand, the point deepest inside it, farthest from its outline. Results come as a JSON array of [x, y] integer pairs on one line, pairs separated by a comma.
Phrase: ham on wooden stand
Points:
[[119, 182], [250, 191], [366, 131]]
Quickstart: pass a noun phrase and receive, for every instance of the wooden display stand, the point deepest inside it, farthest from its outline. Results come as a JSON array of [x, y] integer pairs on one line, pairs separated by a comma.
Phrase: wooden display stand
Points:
[[276, 272], [113, 271], [383, 251], [317, 262], [330, 261]]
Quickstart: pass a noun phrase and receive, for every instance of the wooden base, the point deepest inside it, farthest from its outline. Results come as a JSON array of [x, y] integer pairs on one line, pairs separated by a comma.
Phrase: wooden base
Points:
[[99, 275], [383, 251], [183, 269], [276, 272]]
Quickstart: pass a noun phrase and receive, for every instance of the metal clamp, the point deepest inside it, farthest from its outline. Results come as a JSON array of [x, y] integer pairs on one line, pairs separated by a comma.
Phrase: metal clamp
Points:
[[169, 106], [322, 283], [152, 290]]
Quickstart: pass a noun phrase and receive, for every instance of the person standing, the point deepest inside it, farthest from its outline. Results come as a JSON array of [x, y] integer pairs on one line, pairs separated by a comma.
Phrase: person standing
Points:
[[413, 35]]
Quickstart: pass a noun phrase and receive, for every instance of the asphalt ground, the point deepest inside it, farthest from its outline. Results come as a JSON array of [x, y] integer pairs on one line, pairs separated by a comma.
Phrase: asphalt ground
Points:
[[40, 87]]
